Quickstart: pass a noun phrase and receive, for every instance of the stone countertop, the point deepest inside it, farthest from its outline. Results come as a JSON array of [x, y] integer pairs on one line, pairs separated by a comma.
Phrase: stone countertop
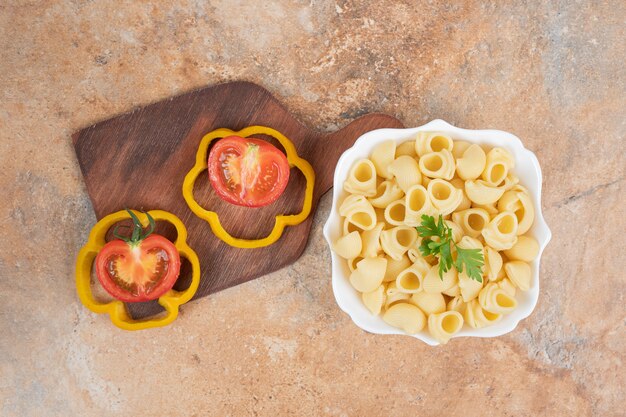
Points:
[[551, 73]]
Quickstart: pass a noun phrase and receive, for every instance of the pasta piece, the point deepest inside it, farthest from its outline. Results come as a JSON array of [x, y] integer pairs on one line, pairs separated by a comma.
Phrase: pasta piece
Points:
[[520, 188], [369, 274], [493, 263], [459, 148], [468, 315], [353, 262], [349, 227], [405, 316], [422, 264], [457, 231], [453, 291], [438, 164], [501, 232], [466, 202], [433, 284], [469, 287], [497, 166], [374, 300], [427, 142], [472, 221], [472, 163], [406, 148], [371, 241], [510, 181], [417, 203], [414, 253], [395, 267], [519, 274], [350, 203], [444, 196], [480, 192], [395, 213], [526, 249], [518, 202], [526, 214], [495, 300], [410, 280], [502, 273], [444, 325], [394, 295], [429, 303], [358, 211], [383, 154], [475, 316], [362, 178], [489, 208], [509, 201], [456, 304], [468, 242], [406, 172], [486, 317], [348, 246], [507, 286], [386, 192], [396, 241], [501, 154], [365, 219]]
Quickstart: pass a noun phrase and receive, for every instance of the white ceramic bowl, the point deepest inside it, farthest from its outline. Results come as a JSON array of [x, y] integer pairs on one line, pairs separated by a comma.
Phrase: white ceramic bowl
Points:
[[526, 168]]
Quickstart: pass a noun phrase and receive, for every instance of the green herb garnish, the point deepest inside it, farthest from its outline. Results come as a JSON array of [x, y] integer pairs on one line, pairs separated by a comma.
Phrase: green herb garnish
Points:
[[437, 241]]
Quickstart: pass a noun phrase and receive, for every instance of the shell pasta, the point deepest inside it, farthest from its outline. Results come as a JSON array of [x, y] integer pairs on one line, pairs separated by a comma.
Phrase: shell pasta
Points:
[[485, 208], [362, 179]]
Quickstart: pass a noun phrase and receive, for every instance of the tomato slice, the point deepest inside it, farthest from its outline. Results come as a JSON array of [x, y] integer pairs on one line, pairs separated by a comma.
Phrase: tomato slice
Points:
[[138, 271], [247, 171]]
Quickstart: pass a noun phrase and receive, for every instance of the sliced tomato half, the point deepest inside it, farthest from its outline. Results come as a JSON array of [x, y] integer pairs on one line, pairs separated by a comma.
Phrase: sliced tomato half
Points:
[[247, 171], [141, 268]]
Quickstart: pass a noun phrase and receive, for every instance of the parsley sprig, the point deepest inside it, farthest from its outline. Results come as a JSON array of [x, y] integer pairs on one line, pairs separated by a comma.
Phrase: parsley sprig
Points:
[[437, 241]]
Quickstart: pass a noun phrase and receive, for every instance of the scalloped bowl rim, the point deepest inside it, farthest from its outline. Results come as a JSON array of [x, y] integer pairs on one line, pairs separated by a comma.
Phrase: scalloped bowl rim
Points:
[[527, 169]]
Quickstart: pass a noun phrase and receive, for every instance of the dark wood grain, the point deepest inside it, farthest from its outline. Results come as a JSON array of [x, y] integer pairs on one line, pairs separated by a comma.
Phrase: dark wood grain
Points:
[[139, 159]]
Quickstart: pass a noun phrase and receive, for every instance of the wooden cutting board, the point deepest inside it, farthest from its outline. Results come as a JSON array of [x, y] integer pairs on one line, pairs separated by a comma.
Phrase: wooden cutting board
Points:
[[139, 159]]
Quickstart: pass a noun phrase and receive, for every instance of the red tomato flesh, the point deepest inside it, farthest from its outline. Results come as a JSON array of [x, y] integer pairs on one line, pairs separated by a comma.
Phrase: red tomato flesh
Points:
[[142, 271], [247, 171]]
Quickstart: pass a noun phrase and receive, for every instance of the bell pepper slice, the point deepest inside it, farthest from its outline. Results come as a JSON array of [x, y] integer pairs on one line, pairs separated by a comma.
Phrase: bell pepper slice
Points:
[[116, 309], [282, 220]]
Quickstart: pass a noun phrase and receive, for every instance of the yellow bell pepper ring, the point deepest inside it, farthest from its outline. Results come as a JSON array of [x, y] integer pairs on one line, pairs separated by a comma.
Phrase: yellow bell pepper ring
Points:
[[116, 309], [282, 220]]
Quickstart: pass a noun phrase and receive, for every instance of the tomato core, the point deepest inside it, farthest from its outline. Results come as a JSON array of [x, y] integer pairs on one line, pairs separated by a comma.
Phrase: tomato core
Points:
[[140, 272]]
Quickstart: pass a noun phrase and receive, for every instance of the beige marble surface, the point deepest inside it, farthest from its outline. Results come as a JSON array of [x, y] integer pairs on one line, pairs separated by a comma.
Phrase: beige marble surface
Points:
[[552, 73]]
